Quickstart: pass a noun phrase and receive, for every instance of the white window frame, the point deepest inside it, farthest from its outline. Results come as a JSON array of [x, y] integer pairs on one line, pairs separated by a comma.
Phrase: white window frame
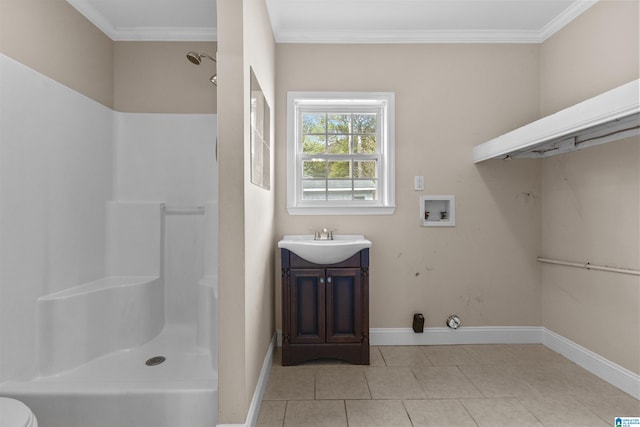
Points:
[[385, 101]]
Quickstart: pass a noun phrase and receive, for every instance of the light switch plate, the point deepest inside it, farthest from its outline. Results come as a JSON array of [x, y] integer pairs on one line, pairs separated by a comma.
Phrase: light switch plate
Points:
[[418, 183]]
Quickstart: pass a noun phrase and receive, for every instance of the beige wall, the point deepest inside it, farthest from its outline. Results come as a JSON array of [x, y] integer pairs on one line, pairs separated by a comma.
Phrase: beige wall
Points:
[[54, 39], [448, 99], [591, 198], [156, 77], [232, 376], [259, 55], [246, 211], [594, 53]]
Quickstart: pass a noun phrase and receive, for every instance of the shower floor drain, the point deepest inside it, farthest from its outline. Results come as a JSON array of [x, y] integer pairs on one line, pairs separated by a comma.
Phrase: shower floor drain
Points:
[[155, 361]]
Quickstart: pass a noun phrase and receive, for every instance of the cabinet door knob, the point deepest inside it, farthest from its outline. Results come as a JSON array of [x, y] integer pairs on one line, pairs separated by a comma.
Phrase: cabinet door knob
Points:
[[329, 279], [322, 280]]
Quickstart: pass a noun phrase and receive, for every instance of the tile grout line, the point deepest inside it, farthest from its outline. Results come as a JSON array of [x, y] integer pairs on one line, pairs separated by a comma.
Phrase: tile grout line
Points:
[[469, 413], [422, 347], [284, 416], [518, 397], [315, 383], [407, 412], [415, 377], [382, 355], [346, 413], [529, 411], [470, 381], [366, 380]]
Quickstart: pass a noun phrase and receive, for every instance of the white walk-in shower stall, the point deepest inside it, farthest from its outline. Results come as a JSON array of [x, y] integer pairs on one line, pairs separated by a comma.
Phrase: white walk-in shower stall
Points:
[[108, 259]]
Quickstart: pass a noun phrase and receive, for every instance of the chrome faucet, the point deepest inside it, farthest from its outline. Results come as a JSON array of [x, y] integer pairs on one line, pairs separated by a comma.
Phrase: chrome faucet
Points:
[[323, 234]]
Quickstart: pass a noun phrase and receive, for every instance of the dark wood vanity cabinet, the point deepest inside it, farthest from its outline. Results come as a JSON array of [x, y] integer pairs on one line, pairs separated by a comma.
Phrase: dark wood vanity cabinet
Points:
[[325, 309]]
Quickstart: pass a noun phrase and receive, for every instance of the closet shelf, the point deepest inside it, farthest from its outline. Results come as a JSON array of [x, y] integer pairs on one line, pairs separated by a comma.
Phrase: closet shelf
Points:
[[607, 117]]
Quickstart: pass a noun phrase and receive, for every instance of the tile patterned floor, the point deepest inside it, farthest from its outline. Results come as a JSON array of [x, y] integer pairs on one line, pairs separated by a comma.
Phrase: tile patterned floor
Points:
[[441, 386]]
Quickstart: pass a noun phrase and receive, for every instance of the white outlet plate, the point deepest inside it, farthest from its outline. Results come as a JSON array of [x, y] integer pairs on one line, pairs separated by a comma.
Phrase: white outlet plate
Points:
[[418, 183]]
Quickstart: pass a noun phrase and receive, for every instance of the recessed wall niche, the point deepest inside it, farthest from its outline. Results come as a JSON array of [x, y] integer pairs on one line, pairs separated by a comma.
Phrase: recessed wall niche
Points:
[[438, 211]]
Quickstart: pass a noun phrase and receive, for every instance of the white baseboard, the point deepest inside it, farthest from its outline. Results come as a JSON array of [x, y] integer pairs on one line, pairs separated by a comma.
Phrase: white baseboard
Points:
[[614, 374], [443, 336], [464, 335], [256, 401]]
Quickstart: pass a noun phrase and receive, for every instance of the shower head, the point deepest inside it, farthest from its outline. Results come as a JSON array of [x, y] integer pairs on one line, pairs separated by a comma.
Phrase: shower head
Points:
[[196, 58]]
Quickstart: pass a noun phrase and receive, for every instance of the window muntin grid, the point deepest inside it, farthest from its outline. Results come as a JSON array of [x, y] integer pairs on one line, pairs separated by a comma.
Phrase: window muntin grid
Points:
[[340, 153]]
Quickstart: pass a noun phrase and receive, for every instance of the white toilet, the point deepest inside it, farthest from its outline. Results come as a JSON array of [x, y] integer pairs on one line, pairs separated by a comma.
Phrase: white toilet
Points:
[[14, 413]]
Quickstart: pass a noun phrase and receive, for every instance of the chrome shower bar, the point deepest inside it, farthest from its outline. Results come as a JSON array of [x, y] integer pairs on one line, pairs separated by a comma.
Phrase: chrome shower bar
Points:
[[182, 210]]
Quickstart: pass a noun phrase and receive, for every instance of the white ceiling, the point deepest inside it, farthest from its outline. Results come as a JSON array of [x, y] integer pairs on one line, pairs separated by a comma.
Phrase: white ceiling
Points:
[[344, 21]]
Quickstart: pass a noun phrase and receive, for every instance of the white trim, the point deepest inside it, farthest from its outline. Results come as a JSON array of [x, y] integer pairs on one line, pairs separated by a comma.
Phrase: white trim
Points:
[[283, 35], [404, 36], [254, 409], [310, 36], [256, 401], [167, 34], [572, 12], [91, 13], [447, 336], [342, 210], [463, 335], [142, 33], [385, 103], [614, 374], [554, 134]]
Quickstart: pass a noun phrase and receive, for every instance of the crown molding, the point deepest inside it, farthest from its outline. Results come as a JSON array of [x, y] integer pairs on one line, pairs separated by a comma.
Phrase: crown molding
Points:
[[304, 36], [96, 18], [163, 34], [142, 33], [413, 36], [435, 36], [569, 14]]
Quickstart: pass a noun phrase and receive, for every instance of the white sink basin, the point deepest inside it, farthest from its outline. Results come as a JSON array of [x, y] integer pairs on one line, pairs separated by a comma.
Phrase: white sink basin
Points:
[[339, 249]]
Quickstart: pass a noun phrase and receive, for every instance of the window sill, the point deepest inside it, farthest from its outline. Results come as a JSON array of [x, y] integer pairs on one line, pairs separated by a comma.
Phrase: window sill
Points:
[[342, 210]]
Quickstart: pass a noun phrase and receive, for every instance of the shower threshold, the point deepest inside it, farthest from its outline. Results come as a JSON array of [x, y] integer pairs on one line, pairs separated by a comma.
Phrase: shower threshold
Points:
[[119, 389]]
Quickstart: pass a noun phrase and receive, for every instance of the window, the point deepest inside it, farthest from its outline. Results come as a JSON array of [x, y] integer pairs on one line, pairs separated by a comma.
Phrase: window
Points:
[[340, 153]]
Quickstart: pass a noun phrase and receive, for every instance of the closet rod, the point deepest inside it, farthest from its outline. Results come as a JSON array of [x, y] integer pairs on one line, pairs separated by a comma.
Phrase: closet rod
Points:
[[589, 266]]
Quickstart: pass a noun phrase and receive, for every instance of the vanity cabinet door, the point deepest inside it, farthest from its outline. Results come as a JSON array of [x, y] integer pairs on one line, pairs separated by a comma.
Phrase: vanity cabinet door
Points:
[[307, 307], [344, 305], [325, 309]]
